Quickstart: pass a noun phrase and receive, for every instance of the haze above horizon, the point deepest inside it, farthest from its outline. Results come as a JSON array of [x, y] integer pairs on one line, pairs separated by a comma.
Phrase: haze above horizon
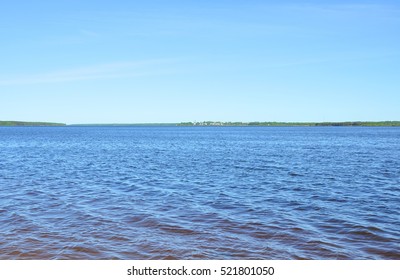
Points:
[[175, 61]]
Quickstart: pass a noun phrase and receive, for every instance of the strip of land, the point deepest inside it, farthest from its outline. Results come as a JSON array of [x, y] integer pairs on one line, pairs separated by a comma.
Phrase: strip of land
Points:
[[212, 123], [19, 123], [358, 123]]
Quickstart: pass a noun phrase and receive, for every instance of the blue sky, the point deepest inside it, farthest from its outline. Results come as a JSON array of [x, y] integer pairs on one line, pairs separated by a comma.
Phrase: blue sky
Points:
[[170, 61]]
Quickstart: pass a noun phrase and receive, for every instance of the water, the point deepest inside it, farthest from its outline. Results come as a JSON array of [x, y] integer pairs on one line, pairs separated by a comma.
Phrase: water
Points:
[[199, 193]]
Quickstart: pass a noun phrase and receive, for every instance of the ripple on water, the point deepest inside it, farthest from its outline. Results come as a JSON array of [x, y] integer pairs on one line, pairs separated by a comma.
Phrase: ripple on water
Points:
[[199, 193]]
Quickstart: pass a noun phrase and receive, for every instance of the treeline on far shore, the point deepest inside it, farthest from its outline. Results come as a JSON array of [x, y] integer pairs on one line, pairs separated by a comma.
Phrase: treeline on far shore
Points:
[[18, 123], [213, 123], [357, 123]]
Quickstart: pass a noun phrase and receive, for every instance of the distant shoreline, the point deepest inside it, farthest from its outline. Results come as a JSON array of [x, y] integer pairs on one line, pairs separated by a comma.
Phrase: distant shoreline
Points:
[[22, 123], [357, 123], [215, 124]]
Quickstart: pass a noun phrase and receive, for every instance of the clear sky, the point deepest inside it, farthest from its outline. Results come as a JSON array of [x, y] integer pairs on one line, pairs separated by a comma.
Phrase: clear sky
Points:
[[127, 61]]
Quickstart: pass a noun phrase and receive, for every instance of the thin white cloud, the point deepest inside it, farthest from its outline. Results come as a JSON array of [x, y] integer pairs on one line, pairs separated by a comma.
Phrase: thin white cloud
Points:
[[89, 33], [376, 10], [336, 58], [101, 71]]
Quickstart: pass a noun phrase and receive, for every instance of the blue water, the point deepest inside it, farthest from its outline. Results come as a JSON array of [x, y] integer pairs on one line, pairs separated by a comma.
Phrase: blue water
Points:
[[199, 193]]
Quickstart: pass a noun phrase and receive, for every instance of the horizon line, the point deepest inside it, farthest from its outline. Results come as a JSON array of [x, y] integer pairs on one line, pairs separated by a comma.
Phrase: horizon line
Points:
[[205, 123]]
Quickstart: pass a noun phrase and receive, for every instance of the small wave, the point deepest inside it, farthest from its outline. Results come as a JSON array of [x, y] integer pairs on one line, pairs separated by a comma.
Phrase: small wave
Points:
[[178, 230], [384, 252]]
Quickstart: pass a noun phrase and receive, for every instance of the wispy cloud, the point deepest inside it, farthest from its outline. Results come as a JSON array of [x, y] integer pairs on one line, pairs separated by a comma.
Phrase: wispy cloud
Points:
[[89, 33], [94, 72], [336, 58], [375, 10]]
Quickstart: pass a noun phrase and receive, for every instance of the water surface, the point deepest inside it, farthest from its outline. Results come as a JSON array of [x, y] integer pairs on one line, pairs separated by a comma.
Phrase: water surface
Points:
[[199, 193]]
